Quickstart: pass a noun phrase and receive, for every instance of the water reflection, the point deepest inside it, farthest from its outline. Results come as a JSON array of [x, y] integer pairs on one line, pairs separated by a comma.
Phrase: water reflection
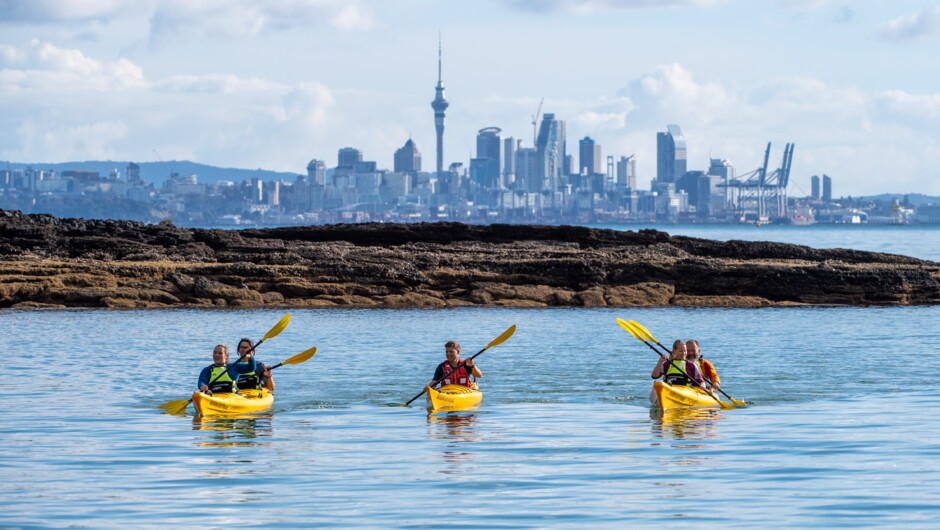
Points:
[[233, 431], [456, 429], [685, 424]]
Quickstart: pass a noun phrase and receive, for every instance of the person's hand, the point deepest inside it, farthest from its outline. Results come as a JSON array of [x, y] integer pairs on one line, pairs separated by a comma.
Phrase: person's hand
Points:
[[267, 371], [469, 364], [204, 389]]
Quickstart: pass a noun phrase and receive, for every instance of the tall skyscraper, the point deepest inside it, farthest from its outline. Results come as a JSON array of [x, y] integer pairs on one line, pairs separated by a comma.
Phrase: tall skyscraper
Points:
[[348, 157], [487, 169], [670, 155], [316, 172], [408, 159], [549, 155], [509, 161], [815, 187], [439, 105], [591, 160], [626, 172], [827, 188]]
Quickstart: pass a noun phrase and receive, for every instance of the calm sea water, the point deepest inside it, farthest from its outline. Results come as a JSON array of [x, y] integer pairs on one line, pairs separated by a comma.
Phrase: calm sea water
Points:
[[841, 430], [919, 241]]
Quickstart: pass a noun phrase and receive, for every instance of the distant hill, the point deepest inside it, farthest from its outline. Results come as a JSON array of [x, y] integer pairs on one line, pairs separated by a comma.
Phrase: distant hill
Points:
[[916, 199], [157, 172]]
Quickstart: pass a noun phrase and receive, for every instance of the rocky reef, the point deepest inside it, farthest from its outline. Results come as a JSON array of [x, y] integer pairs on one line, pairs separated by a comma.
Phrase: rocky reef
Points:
[[51, 262]]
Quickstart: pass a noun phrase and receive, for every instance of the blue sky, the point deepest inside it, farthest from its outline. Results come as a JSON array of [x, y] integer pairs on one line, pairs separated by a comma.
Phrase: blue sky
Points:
[[274, 83]]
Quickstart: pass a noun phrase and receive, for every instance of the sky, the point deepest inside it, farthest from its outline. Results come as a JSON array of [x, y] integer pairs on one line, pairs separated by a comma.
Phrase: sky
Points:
[[272, 84]]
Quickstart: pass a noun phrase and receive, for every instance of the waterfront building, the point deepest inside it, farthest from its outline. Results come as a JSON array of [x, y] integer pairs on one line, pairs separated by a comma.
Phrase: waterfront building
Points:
[[549, 156], [316, 172], [439, 105], [408, 159], [670, 154], [826, 188], [486, 168], [626, 172], [133, 174], [509, 161], [525, 169], [815, 188], [348, 157], [590, 160]]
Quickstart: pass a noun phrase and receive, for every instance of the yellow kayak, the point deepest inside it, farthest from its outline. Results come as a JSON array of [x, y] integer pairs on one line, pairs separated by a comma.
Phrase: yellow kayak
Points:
[[673, 397], [453, 398], [240, 403]]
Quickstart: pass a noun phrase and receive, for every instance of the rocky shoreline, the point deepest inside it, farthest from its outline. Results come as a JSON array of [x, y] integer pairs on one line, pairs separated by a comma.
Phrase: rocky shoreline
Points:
[[51, 262]]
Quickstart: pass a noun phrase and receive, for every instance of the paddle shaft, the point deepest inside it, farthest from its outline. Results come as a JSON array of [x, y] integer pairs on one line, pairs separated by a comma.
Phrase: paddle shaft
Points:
[[461, 363]]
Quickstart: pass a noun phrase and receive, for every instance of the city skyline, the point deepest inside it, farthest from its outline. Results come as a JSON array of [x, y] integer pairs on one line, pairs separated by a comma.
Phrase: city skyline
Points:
[[93, 80]]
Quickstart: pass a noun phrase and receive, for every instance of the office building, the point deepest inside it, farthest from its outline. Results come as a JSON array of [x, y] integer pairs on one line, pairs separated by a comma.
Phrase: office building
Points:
[[815, 188], [549, 156], [408, 159], [670, 155], [826, 188], [316, 172], [626, 172], [590, 161]]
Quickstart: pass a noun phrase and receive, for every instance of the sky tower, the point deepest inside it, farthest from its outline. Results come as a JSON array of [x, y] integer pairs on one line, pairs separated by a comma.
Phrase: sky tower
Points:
[[439, 105]]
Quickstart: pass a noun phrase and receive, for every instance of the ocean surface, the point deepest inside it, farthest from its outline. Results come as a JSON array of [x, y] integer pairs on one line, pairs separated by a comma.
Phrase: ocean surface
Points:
[[841, 429], [919, 241]]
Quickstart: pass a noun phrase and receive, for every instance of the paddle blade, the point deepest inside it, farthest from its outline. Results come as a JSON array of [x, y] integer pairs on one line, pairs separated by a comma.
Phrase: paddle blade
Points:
[[737, 402], [173, 404], [502, 338], [642, 331], [277, 329], [725, 406], [301, 357], [626, 325], [178, 408]]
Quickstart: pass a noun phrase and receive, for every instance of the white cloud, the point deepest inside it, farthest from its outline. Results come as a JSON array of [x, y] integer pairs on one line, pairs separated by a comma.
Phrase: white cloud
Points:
[[589, 6], [46, 11], [921, 24], [43, 65], [245, 18]]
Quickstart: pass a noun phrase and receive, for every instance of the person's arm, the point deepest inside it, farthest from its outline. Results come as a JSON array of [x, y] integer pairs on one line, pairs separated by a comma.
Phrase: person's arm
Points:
[[438, 375], [709, 368], [266, 376], [694, 374], [473, 369], [658, 371], [203, 380]]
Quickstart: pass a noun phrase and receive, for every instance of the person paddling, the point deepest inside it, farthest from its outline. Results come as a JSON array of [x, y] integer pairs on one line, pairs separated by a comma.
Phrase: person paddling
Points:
[[257, 378], [706, 368], [221, 374], [671, 372], [448, 372]]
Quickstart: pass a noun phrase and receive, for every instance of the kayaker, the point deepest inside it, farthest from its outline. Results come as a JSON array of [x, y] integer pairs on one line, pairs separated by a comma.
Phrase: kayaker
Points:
[[706, 368], [257, 378], [670, 371], [448, 373], [220, 365]]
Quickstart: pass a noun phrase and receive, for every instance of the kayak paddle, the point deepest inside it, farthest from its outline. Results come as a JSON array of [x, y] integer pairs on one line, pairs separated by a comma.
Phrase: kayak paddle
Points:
[[649, 336], [637, 335], [179, 405], [495, 342]]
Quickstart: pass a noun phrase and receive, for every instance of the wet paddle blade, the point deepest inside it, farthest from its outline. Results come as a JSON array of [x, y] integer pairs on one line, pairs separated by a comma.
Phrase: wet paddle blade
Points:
[[174, 404], [277, 329], [626, 325], [179, 408], [643, 331], [301, 357], [502, 338], [737, 402]]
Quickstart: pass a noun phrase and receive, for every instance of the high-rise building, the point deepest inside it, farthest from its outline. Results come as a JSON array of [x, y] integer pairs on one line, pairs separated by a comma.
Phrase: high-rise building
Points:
[[316, 172], [827, 188], [525, 169], [349, 157], [815, 187], [509, 161], [408, 159], [487, 168], [670, 155], [133, 173], [591, 160], [549, 155], [626, 172], [439, 105]]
